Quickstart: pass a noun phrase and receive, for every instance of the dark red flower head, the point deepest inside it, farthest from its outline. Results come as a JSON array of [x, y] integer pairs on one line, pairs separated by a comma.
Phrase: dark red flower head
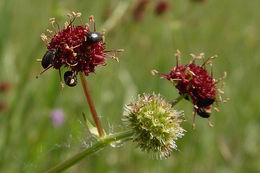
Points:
[[161, 7], [195, 83], [4, 86], [139, 9], [75, 47], [3, 106]]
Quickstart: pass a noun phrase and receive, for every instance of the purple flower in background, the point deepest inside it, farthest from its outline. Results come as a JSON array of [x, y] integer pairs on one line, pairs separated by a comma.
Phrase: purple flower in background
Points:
[[57, 117]]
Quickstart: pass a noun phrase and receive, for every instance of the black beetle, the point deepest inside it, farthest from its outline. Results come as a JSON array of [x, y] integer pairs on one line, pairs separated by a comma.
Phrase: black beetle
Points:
[[205, 102], [203, 113], [93, 37], [70, 78], [48, 58]]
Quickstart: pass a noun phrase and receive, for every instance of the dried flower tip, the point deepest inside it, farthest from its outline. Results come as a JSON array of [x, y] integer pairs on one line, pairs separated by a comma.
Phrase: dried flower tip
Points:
[[74, 14], [210, 124], [193, 126], [120, 50], [223, 85], [66, 24], [38, 60], [209, 63], [78, 14], [156, 124], [193, 56], [178, 57], [190, 72], [52, 20], [104, 31], [216, 109], [214, 57], [86, 25], [49, 31], [220, 98], [154, 72], [225, 75], [91, 18], [220, 91], [178, 53], [115, 58], [226, 100], [70, 16], [44, 37]]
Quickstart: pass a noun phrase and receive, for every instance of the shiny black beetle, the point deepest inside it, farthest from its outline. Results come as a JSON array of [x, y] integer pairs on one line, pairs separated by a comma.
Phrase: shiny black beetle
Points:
[[70, 78], [93, 37], [203, 113], [48, 58]]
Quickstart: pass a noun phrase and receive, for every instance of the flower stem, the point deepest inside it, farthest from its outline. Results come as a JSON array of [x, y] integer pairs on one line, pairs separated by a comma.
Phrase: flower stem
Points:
[[94, 148], [91, 105], [177, 100]]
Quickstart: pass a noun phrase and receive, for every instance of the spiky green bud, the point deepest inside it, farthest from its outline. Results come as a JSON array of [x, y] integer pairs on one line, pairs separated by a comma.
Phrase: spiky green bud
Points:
[[156, 124]]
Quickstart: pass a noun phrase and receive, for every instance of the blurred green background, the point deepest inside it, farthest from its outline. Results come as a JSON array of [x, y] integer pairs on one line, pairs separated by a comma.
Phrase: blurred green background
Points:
[[229, 28]]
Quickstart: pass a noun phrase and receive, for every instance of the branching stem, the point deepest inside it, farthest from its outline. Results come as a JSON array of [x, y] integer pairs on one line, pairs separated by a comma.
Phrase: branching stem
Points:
[[103, 142]]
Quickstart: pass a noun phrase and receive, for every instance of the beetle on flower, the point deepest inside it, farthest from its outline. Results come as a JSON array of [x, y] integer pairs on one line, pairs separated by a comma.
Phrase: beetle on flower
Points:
[[196, 84], [74, 47]]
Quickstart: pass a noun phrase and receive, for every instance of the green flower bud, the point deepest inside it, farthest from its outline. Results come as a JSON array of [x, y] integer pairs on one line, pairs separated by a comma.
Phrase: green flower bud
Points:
[[156, 124]]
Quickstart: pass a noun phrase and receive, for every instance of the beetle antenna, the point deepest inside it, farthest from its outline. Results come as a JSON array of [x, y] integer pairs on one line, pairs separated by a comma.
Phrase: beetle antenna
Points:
[[44, 71]]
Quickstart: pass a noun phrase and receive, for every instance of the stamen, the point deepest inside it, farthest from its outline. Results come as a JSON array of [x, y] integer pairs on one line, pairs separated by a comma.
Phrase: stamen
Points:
[[193, 56], [116, 59], [52, 21], [116, 50], [190, 72], [225, 75], [44, 39], [226, 100], [219, 98], [178, 57], [154, 72], [220, 91], [216, 109], [86, 25], [70, 16], [210, 124], [49, 32], [194, 117], [223, 85], [74, 14], [214, 57], [71, 65]]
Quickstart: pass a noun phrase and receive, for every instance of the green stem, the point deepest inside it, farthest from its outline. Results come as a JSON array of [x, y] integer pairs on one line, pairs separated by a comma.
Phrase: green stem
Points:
[[178, 99], [94, 148]]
